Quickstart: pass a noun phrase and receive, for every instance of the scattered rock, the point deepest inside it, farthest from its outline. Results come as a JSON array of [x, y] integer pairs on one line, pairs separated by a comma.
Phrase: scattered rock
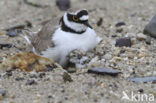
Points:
[[63, 4], [120, 24], [148, 40], [31, 82], [5, 45], [13, 32], [41, 75], [126, 41], [19, 78], [3, 92], [103, 71], [140, 90], [32, 76], [119, 30], [143, 79], [99, 23], [67, 77], [141, 36], [150, 28], [28, 62]]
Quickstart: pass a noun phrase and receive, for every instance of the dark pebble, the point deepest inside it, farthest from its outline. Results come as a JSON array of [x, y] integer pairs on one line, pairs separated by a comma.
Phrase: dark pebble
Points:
[[99, 23], [143, 79], [103, 71], [9, 73], [141, 90], [19, 78], [50, 68], [63, 4], [12, 33], [120, 24], [32, 76], [3, 92], [67, 77], [119, 30], [41, 75], [126, 41], [31, 82], [148, 40], [5, 45]]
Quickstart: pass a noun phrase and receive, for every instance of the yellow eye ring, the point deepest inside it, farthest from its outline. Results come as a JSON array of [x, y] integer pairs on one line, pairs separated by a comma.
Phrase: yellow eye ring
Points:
[[75, 18]]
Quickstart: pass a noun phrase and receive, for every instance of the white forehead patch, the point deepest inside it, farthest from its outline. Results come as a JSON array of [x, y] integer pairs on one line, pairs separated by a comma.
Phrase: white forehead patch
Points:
[[84, 17]]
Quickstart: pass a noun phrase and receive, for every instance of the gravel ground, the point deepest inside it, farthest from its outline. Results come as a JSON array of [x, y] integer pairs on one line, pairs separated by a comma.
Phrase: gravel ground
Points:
[[50, 87]]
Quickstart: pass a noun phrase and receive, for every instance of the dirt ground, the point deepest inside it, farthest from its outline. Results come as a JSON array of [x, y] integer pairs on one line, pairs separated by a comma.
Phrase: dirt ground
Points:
[[137, 61]]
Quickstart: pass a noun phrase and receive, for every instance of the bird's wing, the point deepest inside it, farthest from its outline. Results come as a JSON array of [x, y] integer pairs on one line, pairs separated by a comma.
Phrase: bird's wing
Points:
[[43, 39]]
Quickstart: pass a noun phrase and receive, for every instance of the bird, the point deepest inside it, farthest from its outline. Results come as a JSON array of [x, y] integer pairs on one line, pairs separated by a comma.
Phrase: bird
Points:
[[56, 41]]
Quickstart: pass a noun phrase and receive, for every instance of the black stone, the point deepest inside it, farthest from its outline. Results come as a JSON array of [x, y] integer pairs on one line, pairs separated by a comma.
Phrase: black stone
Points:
[[99, 23], [103, 71], [5, 45], [31, 82], [148, 40], [126, 41], [120, 24], [63, 4], [41, 75], [19, 78]]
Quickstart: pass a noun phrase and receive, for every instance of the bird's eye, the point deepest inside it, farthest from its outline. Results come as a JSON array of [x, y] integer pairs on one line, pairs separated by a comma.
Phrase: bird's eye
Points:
[[75, 18]]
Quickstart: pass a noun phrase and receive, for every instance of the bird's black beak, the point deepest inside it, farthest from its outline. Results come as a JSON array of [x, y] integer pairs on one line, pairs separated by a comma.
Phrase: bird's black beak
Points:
[[87, 24]]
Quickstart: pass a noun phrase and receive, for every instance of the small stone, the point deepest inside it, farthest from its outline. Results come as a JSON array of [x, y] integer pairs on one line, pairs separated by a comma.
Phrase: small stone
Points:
[[32, 76], [67, 77], [148, 40], [31, 82], [126, 41], [108, 56], [19, 78], [41, 75], [103, 70], [120, 24], [99, 23], [12, 33], [141, 90], [143, 79], [63, 4], [141, 36], [150, 28], [3, 92]]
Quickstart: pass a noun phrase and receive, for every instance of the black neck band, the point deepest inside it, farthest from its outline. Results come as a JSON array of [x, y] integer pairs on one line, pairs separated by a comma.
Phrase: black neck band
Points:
[[65, 28]]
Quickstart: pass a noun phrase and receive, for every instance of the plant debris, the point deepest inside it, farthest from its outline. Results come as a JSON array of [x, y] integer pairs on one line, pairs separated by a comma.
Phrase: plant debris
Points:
[[34, 4], [103, 71]]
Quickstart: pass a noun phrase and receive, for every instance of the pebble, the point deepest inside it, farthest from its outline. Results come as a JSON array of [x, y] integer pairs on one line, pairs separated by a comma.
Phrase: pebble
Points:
[[148, 40], [103, 71], [63, 4], [3, 92], [150, 28], [12, 33], [32, 76], [141, 36], [41, 75], [108, 56], [31, 82], [143, 79], [99, 23], [67, 77], [19, 78], [120, 24], [125, 41]]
